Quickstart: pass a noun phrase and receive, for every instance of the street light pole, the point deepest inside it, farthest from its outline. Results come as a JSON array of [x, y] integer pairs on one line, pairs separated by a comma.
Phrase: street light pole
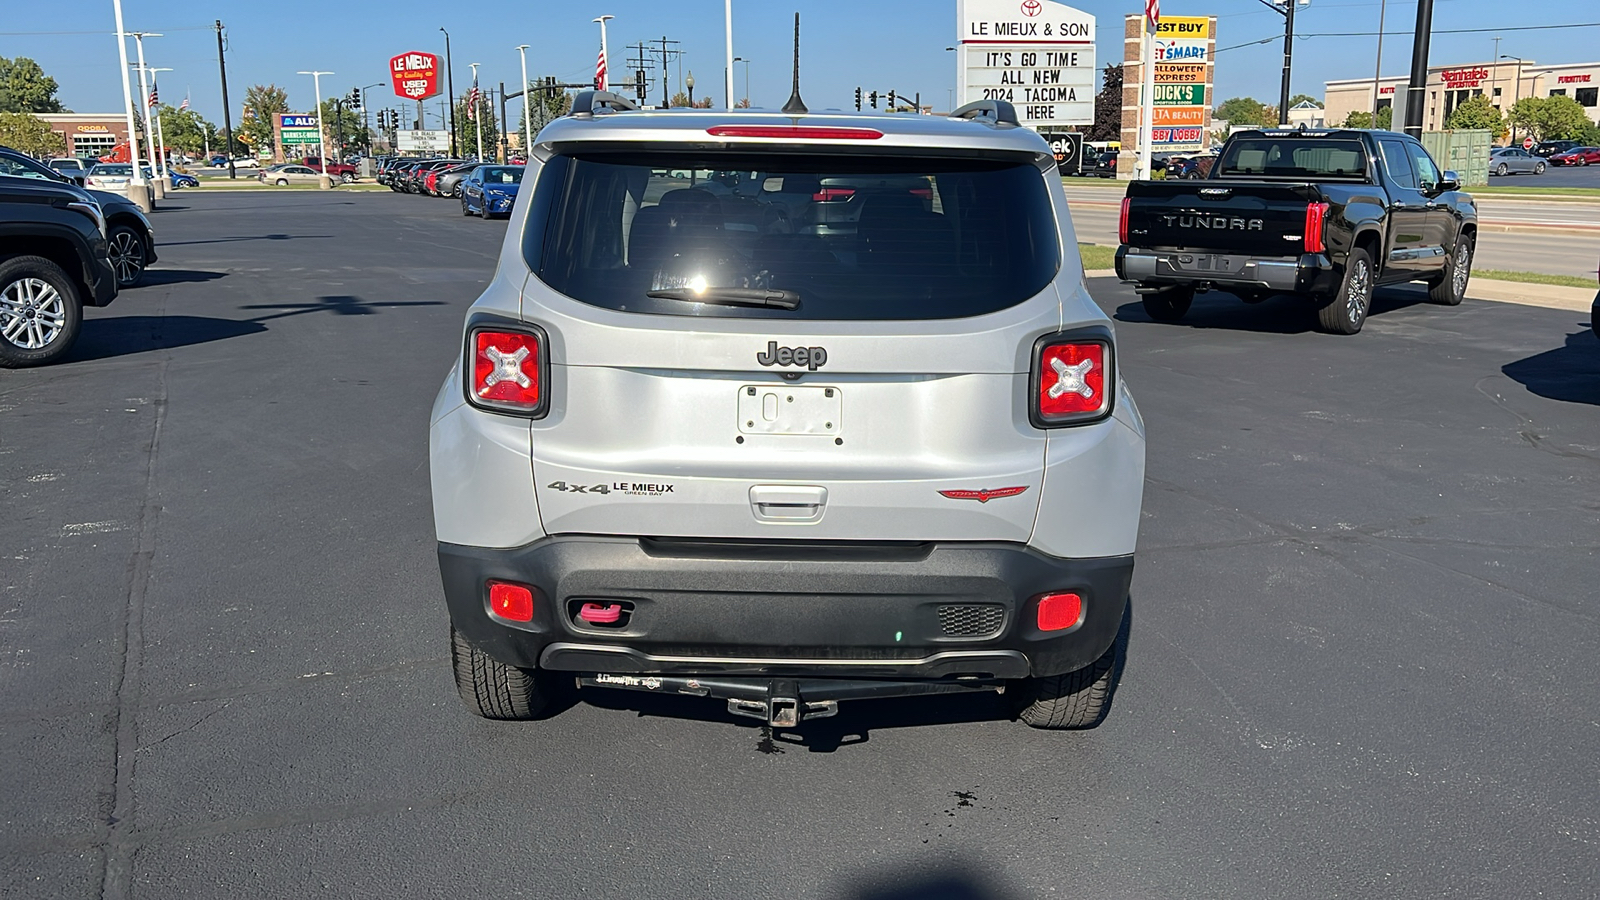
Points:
[[690, 83], [450, 86], [727, 18], [476, 112], [137, 179], [366, 117], [322, 150], [144, 94], [740, 59], [527, 113], [1377, 67]]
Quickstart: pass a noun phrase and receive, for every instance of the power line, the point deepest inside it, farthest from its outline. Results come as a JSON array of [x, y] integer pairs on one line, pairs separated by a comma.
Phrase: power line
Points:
[[1454, 30]]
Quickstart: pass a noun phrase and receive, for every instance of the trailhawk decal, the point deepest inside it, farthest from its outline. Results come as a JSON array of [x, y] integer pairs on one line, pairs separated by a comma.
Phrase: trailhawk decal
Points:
[[986, 494]]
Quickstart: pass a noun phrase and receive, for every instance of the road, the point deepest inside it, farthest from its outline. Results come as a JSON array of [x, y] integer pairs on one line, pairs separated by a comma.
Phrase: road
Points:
[[1361, 659], [1094, 215]]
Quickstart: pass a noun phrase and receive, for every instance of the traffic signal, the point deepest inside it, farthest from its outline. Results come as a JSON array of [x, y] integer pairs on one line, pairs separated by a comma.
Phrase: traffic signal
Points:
[[892, 104], [874, 98], [355, 99], [858, 99]]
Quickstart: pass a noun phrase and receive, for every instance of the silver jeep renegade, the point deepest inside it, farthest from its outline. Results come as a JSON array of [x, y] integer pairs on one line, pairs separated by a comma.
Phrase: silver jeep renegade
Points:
[[786, 409]]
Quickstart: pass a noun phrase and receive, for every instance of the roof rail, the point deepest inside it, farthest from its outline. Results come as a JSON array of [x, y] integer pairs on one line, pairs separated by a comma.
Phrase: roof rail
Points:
[[587, 101], [1001, 111]]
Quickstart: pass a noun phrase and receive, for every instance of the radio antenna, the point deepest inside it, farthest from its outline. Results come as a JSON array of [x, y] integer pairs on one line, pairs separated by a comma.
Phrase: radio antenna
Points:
[[796, 106]]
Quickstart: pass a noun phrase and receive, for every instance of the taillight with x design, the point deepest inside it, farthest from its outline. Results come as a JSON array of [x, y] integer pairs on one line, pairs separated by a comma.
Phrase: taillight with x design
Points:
[[1072, 382], [508, 371]]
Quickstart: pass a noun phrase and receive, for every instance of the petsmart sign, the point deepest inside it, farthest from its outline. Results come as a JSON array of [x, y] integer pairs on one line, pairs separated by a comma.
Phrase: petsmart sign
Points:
[[1036, 54]]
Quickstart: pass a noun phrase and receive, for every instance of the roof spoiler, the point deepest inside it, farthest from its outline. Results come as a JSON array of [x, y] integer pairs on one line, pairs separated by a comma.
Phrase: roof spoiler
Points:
[[587, 102], [1001, 111]]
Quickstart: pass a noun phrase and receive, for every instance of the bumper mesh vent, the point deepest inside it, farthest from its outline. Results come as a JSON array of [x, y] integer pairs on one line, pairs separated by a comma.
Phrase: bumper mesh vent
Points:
[[971, 620]]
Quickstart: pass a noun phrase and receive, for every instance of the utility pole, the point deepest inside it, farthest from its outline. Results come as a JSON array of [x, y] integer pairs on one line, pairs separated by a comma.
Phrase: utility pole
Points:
[[667, 54], [227, 114], [1377, 67], [1288, 59], [505, 146], [641, 70], [1417, 90], [450, 87]]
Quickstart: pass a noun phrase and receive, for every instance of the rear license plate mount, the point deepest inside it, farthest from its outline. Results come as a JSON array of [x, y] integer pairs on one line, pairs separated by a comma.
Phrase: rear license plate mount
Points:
[[783, 409]]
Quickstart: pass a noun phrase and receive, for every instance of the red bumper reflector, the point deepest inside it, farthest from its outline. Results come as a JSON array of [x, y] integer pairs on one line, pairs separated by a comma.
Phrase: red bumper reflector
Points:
[[800, 132], [511, 601], [600, 614], [1059, 611]]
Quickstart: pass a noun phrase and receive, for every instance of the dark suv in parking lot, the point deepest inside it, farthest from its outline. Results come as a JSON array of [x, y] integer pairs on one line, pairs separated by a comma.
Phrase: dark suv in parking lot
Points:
[[54, 260]]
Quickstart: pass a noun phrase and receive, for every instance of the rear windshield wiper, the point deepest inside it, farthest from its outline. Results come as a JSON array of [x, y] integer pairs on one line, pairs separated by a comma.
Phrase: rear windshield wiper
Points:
[[732, 296]]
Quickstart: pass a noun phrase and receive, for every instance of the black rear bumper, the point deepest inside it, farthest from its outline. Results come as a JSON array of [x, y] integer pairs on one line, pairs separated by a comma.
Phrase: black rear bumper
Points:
[[796, 609], [1306, 273]]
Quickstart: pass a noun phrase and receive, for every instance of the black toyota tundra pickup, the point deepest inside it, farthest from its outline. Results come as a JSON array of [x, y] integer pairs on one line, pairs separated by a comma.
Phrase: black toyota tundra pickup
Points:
[[1324, 214]]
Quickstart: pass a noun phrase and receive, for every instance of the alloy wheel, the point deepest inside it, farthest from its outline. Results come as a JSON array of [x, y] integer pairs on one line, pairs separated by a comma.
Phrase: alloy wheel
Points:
[[1359, 292], [1463, 268], [32, 313], [127, 256]]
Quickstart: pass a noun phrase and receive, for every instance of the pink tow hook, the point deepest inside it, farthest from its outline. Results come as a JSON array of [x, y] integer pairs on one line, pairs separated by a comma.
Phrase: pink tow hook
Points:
[[600, 614]]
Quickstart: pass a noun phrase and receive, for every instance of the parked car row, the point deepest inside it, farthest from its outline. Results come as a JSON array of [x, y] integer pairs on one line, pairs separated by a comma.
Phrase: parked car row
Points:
[[62, 247], [484, 188]]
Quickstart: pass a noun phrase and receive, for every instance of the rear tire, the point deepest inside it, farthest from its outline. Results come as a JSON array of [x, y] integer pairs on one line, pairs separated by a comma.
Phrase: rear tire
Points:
[[282, 182], [1451, 288], [1538, 169], [1503, 169], [39, 305], [1070, 701], [128, 255], [494, 690], [1346, 311], [346, 178], [1169, 305]]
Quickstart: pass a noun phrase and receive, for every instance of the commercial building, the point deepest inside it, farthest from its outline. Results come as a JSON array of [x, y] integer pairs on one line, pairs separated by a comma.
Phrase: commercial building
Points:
[[88, 135], [1504, 82]]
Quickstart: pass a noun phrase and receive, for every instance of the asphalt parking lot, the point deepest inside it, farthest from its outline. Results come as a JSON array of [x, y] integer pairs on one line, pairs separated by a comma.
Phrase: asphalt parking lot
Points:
[[1361, 653]]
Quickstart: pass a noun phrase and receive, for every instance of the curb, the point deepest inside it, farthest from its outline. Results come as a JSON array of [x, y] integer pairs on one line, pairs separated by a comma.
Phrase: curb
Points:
[[1549, 296]]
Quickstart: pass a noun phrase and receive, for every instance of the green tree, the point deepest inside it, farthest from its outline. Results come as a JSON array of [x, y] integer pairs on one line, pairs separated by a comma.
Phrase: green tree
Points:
[[1298, 99], [30, 134], [187, 130], [1107, 108], [1477, 113], [467, 127], [261, 103], [1550, 118], [25, 88], [1246, 111], [546, 103], [1364, 119], [343, 123]]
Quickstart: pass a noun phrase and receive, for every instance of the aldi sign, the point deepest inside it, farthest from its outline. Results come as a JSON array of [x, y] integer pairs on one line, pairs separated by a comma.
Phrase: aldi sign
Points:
[[415, 75]]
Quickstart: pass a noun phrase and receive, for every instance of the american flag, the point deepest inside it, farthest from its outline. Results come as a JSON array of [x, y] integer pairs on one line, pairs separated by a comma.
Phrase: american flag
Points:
[[185, 104], [472, 101], [155, 95], [600, 70], [1152, 14]]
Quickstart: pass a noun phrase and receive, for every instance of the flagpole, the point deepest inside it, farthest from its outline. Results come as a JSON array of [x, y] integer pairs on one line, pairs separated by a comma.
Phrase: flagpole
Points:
[[727, 78], [144, 91], [603, 79], [527, 113], [1147, 89], [160, 161], [477, 119]]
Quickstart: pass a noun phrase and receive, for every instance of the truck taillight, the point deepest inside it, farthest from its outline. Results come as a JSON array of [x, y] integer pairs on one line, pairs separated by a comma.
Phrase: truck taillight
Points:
[[1315, 214], [1122, 220], [1072, 380], [508, 371]]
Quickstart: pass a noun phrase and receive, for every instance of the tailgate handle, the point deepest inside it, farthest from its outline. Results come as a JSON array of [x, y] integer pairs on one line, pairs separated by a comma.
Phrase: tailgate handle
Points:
[[790, 503]]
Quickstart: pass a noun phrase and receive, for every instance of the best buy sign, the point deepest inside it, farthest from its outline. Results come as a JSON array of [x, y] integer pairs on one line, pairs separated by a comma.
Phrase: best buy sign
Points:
[[1180, 95]]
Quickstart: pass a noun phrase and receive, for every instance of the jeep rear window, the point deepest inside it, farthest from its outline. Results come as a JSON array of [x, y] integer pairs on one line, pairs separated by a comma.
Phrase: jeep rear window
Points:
[[893, 237], [1292, 157]]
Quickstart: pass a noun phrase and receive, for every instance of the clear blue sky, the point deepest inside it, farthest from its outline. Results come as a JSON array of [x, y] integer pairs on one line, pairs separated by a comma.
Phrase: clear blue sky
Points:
[[880, 44]]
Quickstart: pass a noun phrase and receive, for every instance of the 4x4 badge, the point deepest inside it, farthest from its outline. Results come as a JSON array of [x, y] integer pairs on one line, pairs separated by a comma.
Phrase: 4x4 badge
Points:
[[986, 494]]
